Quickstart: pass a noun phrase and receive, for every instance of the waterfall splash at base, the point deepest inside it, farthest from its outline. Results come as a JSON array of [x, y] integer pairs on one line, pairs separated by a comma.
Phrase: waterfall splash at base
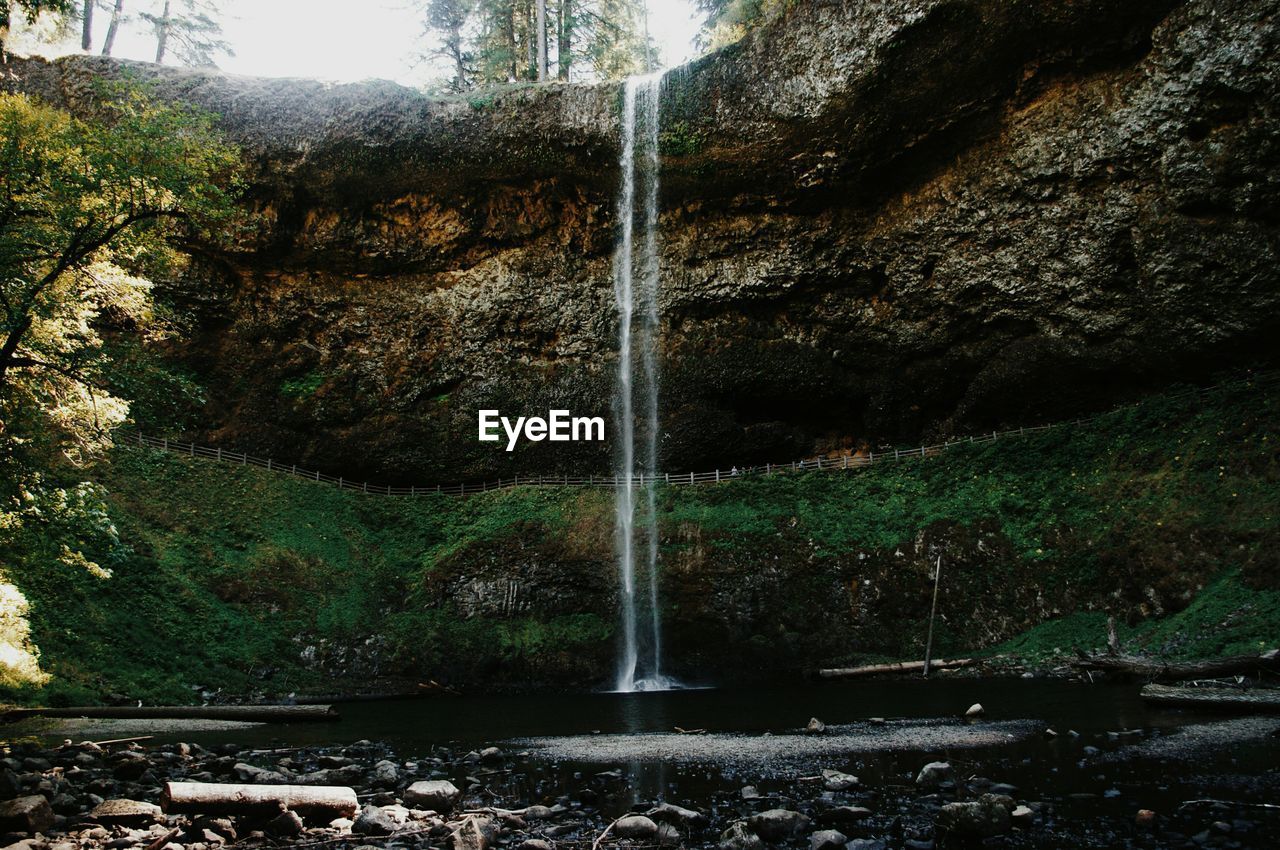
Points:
[[636, 280]]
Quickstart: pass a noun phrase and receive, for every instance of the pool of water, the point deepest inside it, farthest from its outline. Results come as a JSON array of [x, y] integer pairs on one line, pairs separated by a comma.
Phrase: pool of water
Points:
[[1088, 777]]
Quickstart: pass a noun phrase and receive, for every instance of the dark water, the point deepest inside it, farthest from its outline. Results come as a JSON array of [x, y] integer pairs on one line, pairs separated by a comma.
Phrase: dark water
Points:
[[1078, 783], [412, 725]]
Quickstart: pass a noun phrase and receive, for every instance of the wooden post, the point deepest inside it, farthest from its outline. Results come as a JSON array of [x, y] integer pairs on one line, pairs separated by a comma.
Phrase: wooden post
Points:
[[219, 453], [928, 645], [268, 464], [717, 476]]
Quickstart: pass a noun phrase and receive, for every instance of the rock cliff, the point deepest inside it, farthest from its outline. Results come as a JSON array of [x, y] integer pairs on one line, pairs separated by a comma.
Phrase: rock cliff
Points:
[[880, 221]]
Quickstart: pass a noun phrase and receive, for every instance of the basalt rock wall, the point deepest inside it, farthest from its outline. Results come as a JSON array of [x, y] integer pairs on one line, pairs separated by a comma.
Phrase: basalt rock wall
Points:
[[881, 221]]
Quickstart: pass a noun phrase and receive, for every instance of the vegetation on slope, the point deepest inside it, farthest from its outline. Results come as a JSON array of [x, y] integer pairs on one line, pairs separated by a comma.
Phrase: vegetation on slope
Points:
[[217, 576]]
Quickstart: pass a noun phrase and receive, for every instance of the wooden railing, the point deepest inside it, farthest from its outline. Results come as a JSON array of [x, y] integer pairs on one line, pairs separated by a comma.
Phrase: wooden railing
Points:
[[126, 436]]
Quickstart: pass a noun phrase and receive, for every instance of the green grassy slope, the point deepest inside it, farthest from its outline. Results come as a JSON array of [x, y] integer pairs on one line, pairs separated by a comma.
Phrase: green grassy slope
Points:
[[229, 577]]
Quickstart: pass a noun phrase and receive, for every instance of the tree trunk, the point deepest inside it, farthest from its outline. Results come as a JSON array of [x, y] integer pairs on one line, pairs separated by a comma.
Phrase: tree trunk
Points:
[[896, 667], [162, 34], [542, 40], [10, 347], [1157, 670], [86, 26], [116, 14], [564, 39], [513, 42], [319, 803]]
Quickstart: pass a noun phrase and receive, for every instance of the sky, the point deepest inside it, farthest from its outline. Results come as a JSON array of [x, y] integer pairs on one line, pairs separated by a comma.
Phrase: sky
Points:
[[343, 41]]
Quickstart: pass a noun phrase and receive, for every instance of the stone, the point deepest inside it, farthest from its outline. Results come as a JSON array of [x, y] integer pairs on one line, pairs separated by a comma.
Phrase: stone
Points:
[[1145, 819], [635, 826], [843, 815], [750, 792], [473, 833], [535, 844], [865, 844], [536, 812], [439, 795], [988, 816], [386, 774], [130, 766], [778, 824], [739, 837], [373, 821], [126, 813], [934, 774], [975, 710], [668, 834], [815, 726], [1022, 816], [491, 754], [827, 839], [677, 816], [26, 814], [285, 825], [834, 780]]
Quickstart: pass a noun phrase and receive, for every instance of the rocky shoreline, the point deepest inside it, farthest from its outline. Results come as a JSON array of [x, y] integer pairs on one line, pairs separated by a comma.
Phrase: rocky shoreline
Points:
[[86, 796]]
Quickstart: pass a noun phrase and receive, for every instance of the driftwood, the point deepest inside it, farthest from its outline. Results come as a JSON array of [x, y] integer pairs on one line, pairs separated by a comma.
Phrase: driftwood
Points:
[[318, 802], [247, 713], [896, 667], [1225, 699], [1173, 671]]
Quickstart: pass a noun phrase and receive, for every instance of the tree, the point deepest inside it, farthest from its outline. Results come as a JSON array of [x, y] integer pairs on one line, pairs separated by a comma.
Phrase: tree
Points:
[[32, 10], [510, 40], [117, 12], [77, 201], [191, 30], [449, 18], [86, 25]]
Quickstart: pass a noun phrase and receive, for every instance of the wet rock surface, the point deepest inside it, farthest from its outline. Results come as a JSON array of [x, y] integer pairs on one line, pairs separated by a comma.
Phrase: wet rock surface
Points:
[[524, 800], [881, 221]]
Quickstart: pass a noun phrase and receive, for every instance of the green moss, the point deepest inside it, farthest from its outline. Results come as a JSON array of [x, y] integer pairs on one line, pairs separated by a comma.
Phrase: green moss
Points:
[[302, 387], [220, 574]]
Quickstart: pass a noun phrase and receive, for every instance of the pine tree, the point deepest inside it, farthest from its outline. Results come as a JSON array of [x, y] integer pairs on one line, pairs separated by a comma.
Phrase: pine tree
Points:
[[190, 30]]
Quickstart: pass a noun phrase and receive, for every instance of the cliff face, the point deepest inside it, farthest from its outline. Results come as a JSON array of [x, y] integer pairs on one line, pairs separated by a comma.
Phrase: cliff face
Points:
[[880, 220]]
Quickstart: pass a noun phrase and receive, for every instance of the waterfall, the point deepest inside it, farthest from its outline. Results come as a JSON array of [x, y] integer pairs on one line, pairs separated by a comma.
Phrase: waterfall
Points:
[[635, 281]]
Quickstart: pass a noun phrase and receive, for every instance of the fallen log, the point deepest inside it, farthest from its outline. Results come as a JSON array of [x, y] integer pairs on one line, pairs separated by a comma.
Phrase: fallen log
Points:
[[321, 803], [895, 667], [1221, 699], [244, 713], [1172, 671]]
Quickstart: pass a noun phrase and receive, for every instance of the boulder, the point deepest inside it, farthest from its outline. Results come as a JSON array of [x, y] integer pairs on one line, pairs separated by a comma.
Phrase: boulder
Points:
[[975, 710], [989, 815], [285, 825], [827, 839], [126, 813], [26, 814], [677, 816], [474, 833], [386, 774], [834, 780], [739, 837], [373, 821], [934, 774], [439, 795], [778, 824], [635, 826]]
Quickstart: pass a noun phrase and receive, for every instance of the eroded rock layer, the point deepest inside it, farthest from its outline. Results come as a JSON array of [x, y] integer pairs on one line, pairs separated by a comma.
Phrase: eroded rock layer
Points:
[[880, 222]]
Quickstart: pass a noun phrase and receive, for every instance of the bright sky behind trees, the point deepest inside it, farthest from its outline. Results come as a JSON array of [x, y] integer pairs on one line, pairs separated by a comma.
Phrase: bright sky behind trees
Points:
[[345, 41]]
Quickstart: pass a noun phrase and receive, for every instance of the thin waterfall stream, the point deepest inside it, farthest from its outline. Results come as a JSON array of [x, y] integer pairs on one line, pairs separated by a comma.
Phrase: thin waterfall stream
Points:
[[636, 280]]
